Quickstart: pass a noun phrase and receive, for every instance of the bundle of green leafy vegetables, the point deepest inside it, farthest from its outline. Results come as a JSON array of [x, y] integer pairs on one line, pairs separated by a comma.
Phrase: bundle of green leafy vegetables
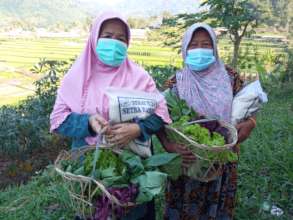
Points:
[[181, 114], [177, 107], [122, 170]]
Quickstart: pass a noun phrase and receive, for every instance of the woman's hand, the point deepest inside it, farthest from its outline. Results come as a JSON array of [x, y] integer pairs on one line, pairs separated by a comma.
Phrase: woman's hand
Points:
[[97, 123], [121, 134], [244, 129], [170, 82], [187, 156]]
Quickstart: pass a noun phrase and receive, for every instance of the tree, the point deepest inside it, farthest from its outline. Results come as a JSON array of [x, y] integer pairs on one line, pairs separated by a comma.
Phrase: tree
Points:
[[137, 22], [283, 10], [240, 17], [172, 29], [277, 14]]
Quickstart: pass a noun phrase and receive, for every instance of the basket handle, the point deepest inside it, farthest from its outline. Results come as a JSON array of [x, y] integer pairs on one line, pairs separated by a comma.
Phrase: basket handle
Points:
[[200, 121]]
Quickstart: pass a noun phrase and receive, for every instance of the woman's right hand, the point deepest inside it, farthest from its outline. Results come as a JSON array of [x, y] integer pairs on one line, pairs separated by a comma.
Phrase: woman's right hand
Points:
[[187, 156], [97, 123]]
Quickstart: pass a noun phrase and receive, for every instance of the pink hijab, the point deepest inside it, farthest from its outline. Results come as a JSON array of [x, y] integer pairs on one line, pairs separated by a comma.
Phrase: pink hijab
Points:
[[83, 87], [208, 92]]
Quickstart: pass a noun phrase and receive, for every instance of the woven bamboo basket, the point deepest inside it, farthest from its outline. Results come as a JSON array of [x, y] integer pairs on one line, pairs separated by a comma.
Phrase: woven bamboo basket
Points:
[[204, 169], [82, 189]]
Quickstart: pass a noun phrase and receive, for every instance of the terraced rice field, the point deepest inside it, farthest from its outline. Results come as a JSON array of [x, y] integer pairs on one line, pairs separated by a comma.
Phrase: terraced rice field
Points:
[[19, 55]]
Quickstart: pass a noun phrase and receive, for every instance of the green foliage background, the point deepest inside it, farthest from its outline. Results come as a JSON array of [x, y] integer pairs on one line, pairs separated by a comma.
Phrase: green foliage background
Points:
[[265, 166]]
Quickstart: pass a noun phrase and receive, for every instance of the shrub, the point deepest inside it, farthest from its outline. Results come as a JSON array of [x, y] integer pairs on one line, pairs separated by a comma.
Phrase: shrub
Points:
[[26, 126]]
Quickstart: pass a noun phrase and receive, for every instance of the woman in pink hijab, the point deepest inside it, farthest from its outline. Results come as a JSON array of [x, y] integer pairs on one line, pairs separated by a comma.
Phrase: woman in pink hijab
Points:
[[81, 109]]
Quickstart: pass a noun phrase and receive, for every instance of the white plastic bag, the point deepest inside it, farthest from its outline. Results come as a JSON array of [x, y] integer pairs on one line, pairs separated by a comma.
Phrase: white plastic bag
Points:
[[126, 105], [248, 101]]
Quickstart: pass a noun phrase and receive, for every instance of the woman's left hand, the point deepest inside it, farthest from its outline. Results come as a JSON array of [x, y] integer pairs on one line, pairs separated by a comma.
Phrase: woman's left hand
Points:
[[122, 134], [244, 129]]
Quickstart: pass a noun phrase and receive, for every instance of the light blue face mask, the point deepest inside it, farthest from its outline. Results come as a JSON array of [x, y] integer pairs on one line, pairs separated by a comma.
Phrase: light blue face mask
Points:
[[111, 52], [200, 58]]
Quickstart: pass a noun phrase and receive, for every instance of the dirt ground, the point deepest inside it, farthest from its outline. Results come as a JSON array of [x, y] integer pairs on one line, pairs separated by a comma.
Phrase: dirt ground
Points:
[[14, 170]]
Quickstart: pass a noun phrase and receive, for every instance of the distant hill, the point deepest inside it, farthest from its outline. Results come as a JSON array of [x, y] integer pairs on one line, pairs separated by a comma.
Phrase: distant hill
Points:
[[40, 13], [46, 13]]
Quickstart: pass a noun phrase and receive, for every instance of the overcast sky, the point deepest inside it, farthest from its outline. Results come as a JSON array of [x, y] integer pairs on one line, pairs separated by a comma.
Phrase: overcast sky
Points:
[[146, 7]]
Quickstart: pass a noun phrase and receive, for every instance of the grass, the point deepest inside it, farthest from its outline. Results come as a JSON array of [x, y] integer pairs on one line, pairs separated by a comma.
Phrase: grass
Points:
[[10, 100], [265, 173], [20, 54], [23, 53], [266, 165], [44, 197], [14, 87]]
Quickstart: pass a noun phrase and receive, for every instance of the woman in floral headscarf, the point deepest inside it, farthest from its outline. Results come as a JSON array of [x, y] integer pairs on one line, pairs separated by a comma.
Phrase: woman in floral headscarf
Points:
[[208, 87]]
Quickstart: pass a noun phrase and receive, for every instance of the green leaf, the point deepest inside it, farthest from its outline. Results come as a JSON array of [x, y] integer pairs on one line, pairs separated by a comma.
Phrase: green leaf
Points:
[[133, 162], [79, 171], [108, 172], [151, 184], [116, 181], [173, 169], [160, 159], [68, 168]]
